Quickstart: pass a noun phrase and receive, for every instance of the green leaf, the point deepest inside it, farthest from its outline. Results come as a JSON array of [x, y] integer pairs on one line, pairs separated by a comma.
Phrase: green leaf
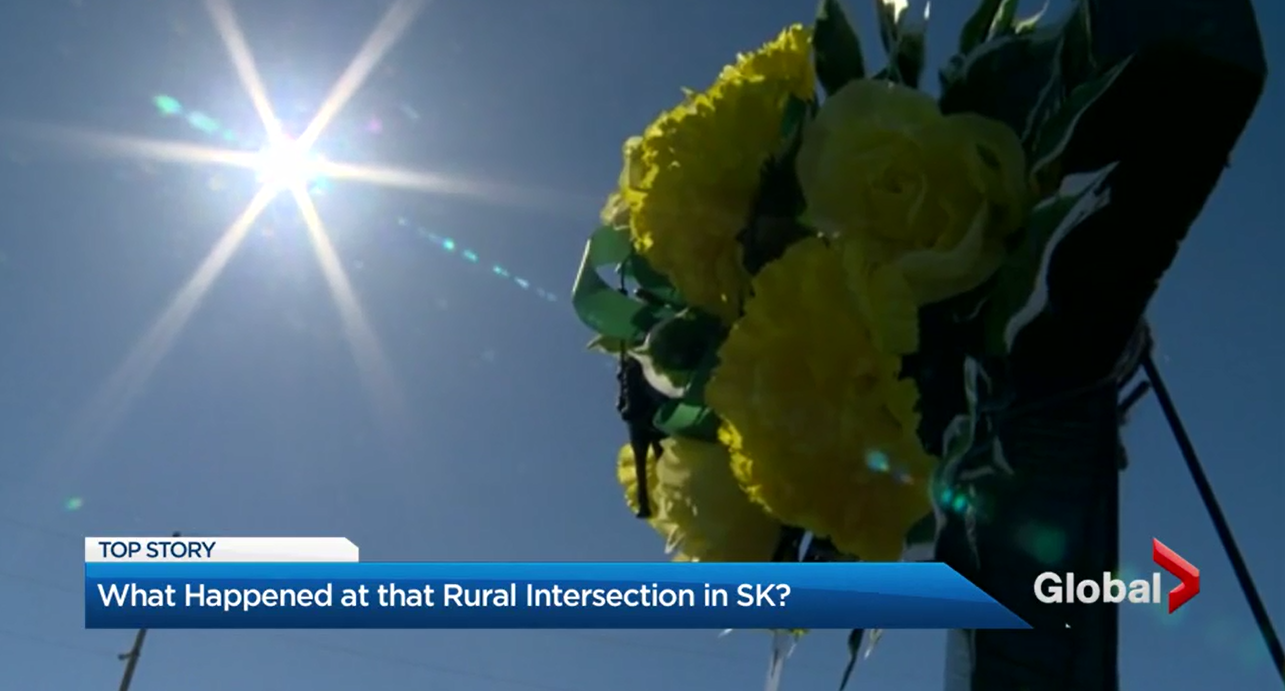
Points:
[[1002, 24], [951, 491], [686, 419], [671, 383], [678, 353], [977, 28], [653, 283], [796, 114], [872, 640], [1020, 291], [783, 642], [961, 434], [1071, 67], [772, 226], [688, 415], [1046, 105], [1059, 130], [920, 540], [907, 61], [768, 236], [963, 483], [701, 376], [1028, 24], [1020, 78], [600, 306], [681, 342], [903, 38], [1076, 56], [836, 48], [607, 345], [886, 13]]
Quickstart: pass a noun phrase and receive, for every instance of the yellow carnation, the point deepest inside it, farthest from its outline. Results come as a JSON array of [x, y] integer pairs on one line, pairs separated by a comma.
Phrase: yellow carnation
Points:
[[821, 430], [925, 200], [615, 212], [697, 505], [698, 169]]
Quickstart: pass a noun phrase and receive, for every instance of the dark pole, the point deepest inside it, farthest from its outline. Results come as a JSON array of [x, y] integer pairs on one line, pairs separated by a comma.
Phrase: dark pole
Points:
[[1221, 526], [131, 658], [1065, 460]]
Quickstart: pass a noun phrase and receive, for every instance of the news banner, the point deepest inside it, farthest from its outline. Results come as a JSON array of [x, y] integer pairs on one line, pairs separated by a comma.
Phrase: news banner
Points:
[[321, 583]]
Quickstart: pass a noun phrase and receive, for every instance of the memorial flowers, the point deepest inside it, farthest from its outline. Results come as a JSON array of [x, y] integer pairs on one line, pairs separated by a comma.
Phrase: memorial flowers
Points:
[[777, 239]]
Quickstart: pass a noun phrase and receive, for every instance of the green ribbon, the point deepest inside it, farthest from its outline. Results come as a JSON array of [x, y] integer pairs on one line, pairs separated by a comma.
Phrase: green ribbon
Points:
[[601, 306], [1020, 292]]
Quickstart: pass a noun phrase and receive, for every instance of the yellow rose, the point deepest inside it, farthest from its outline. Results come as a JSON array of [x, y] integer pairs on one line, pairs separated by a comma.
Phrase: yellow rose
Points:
[[923, 201], [698, 168], [822, 431], [697, 506]]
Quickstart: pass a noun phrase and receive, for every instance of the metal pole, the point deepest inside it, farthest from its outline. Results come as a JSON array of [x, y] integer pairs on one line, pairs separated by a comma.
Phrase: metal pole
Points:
[[131, 658], [1221, 526]]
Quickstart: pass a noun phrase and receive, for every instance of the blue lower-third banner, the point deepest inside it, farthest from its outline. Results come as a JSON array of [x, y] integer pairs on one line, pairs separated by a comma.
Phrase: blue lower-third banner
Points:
[[536, 596]]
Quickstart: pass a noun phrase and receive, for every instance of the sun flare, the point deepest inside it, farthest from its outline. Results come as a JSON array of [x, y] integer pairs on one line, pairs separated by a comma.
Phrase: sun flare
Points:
[[286, 163]]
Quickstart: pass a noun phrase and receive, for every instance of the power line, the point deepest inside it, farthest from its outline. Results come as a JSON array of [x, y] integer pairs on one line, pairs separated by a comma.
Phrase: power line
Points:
[[28, 637], [34, 582], [423, 666], [39, 529], [317, 645]]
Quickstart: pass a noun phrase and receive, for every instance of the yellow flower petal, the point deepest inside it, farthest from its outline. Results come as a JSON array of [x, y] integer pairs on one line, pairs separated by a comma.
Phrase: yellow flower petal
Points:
[[698, 170], [925, 199], [808, 402], [615, 212], [697, 505], [885, 298], [1000, 167]]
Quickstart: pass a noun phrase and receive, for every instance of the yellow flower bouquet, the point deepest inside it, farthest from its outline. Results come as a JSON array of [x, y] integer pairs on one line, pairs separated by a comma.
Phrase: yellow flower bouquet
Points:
[[780, 239]]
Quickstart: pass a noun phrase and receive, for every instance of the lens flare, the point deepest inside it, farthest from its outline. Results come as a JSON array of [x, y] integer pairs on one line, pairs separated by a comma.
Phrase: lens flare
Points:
[[286, 164]]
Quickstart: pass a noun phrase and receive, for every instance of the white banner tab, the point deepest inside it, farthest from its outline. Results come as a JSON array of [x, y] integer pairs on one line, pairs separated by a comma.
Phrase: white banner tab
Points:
[[220, 549]]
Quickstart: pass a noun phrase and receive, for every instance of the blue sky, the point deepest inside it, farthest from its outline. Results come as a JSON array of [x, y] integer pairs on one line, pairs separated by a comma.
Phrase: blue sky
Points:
[[257, 423]]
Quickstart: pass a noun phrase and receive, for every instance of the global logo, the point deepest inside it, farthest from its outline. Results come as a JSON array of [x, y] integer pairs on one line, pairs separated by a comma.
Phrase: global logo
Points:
[[1053, 588]]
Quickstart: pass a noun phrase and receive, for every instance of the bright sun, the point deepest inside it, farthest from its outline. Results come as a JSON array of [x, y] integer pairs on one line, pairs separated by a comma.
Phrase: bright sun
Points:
[[285, 164]]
